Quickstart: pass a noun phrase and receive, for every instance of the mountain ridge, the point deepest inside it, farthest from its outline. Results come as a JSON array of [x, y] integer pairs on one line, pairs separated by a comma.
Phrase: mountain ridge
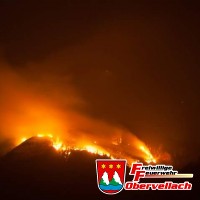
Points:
[[36, 171]]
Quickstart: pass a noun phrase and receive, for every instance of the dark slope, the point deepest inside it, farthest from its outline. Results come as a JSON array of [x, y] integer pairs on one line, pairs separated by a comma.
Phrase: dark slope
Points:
[[35, 171]]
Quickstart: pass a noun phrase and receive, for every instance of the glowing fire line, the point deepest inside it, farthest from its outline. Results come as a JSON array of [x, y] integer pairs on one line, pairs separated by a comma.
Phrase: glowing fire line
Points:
[[58, 145]]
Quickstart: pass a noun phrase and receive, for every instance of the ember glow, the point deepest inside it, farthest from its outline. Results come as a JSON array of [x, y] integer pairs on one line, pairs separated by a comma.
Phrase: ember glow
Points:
[[23, 139], [61, 146]]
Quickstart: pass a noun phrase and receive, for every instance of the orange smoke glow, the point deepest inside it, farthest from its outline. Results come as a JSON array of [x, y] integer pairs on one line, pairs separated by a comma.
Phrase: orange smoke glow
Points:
[[50, 107]]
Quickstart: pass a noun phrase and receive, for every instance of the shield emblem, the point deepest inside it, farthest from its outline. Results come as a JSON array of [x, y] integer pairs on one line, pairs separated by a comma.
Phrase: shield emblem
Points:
[[110, 175]]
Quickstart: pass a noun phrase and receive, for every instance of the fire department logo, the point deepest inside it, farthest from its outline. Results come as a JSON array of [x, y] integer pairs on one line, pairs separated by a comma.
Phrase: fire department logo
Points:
[[110, 175]]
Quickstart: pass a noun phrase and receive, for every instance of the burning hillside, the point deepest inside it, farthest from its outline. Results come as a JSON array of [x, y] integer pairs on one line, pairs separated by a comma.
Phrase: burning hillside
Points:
[[94, 148], [35, 169]]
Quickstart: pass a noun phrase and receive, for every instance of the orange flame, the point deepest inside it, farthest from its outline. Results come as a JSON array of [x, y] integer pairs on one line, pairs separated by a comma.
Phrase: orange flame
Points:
[[59, 145], [150, 157]]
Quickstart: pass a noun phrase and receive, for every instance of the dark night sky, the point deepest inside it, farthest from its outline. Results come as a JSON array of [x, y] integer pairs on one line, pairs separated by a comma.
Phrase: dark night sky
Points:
[[135, 64]]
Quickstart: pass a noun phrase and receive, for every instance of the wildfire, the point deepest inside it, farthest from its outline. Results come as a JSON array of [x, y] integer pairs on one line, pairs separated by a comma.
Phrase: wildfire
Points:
[[60, 146], [150, 157], [23, 139]]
